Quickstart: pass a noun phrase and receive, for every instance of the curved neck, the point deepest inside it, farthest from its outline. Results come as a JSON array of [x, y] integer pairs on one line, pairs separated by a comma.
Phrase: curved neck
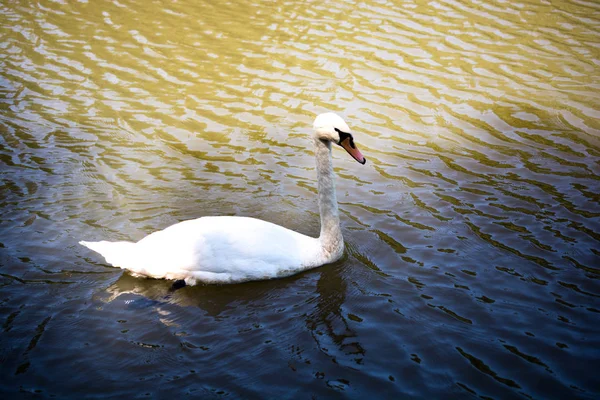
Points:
[[331, 239]]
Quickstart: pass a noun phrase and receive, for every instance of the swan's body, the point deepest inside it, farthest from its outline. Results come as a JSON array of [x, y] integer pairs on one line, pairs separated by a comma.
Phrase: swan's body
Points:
[[238, 249], [217, 250]]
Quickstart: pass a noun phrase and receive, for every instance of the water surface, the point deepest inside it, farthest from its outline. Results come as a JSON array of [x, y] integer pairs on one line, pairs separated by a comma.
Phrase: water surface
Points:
[[472, 234]]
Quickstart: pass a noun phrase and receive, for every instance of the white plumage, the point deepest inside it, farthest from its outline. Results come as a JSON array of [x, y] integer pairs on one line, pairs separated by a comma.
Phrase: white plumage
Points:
[[237, 249]]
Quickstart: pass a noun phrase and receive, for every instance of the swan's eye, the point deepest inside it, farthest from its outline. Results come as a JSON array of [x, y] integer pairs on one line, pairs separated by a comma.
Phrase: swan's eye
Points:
[[344, 136], [347, 142]]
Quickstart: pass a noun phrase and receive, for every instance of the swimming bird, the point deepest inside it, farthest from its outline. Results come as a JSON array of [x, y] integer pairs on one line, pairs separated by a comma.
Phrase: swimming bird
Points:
[[231, 249]]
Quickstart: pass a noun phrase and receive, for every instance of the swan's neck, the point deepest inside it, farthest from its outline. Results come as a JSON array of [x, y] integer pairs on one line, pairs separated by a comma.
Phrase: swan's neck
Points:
[[331, 239]]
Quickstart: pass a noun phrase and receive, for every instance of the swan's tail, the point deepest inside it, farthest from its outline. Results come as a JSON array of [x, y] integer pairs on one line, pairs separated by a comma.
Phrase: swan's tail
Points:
[[119, 254]]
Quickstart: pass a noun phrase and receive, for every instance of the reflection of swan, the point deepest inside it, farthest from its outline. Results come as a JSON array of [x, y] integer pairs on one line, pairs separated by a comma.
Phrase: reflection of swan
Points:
[[214, 300], [238, 249], [329, 327]]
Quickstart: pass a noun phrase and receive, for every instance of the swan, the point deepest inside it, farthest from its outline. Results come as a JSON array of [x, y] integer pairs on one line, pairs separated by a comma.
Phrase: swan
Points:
[[230, 249]]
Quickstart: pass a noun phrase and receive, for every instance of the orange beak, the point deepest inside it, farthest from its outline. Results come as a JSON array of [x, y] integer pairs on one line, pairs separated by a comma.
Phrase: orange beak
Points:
[[350, 147]]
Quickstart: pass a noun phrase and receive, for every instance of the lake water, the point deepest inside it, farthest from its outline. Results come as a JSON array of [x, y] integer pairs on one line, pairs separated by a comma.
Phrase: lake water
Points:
[[472, 258]]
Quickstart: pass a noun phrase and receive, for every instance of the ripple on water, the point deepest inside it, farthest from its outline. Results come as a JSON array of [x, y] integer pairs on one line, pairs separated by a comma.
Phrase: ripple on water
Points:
[[471, 261]]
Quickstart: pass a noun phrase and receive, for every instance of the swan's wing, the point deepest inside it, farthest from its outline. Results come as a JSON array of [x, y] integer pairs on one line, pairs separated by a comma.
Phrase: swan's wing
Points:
[[245, 248]]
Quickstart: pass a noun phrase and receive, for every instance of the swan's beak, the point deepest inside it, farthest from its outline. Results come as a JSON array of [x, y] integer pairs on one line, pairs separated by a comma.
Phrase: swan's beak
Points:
[[350, 147]]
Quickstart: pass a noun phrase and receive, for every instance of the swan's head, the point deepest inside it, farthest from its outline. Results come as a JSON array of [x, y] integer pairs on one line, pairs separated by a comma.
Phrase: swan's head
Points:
[[332, 128]]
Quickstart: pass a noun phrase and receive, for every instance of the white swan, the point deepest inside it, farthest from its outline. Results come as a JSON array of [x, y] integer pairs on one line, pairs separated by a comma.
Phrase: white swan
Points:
[[237, 249]]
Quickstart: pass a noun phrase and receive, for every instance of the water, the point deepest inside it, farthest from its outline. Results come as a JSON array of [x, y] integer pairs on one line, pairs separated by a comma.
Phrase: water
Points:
[[472, 234]]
